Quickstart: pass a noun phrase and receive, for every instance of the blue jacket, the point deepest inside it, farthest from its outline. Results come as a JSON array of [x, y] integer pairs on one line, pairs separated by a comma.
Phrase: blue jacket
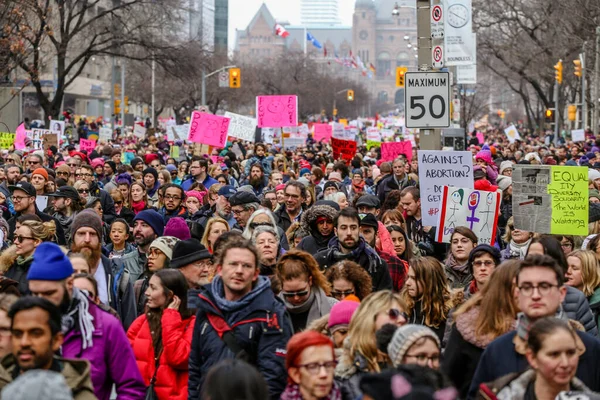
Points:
[[208, 182], [265, 161], [260, 325], [500, 358]]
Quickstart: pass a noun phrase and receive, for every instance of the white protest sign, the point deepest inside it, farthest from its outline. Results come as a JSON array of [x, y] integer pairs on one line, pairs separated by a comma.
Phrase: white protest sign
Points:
[[439, 168], [57, 127], [373, 134], [293, 142], [338, 131], [458, 33], [37, 136], [171, 133], [387, 133], [303, 129], [512, 134], [41, 202], [241, 127], [139, 131], [350, 132], [181, 131], [410, 137], [104, 135], [578, 135], [269, 134]]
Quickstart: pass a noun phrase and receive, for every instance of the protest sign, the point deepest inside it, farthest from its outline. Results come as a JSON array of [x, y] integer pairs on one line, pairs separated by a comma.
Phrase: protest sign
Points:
[[181, 131], [277, 111], [89, 145], [478, 210], [345, 149], [50, 139], [139, 131], [411, 138], [337, 131], [269, 134], [387, 133], [391, 150], [350, 132], [105, 135], [512, 134], [127, 157], [372, 143], [303, 129], [322, 132], [208, 129], [41, 202], [436, 170], [174, 152], [480, 137], [6, 140], [578, 135], [293, 142], [373, 135], [20, 135], [57, 127], [241, 127], [36, 136], [551, 199]]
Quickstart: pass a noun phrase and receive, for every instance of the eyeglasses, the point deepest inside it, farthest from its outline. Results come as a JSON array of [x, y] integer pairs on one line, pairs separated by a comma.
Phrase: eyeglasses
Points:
[[422, 359], [73, 165], [19, 238], [314, 368], [63, 173], [542, 288], [566, 245], [255, 225], [394, 314], [155, 166], [300, 293], [18, 199], [85, 175], [174, 198], [83, 190], [487, 263], [237, 212], [341, 294]]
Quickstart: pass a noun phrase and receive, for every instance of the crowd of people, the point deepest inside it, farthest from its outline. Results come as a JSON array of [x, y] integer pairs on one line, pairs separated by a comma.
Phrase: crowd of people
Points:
[[256, 272]]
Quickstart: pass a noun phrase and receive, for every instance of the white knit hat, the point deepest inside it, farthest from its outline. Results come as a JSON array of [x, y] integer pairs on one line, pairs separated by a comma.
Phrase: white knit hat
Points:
[[403, 339], [165, 244]]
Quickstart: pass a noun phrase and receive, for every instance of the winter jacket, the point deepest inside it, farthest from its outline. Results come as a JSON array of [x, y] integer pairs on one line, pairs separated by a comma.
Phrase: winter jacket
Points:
[[594, 302], [120, 289], [456, 279], [260, 325], [172, 376], [368, 259], [208, 182], [283, 219], [417, 317], [347, 376], [60, 233], [505, 355], [181, 213], [577, 308], [387, 184], [108, 205], [127, 214], [75, 372], [18, 272], [110, 357], [315, 242], [65, 223]]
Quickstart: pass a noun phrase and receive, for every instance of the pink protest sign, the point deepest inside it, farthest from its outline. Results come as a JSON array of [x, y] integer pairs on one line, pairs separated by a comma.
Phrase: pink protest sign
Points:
[[480, 137], [277, 111], [88, 145], [391, 150], [322, 132], [208, 129], [20, 137]]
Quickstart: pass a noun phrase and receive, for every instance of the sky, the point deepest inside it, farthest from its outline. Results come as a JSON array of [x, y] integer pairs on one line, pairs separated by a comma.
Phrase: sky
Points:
[[241, 13]]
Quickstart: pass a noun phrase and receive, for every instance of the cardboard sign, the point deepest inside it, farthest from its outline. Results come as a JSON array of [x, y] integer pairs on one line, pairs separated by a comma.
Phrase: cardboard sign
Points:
[[6, 140], [105, 135], [578, 135], [345, 149], [322, 132], [277, 111], [551, 199], [50, 139], [478, 210], [436, 170], [512, 134], [391, 150], [89, 145], [139, 131], [241, 127], [208, 129]]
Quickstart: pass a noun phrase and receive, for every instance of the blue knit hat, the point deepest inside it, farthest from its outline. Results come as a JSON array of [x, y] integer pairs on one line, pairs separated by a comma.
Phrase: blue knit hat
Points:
[[152, 218], [49, 264]]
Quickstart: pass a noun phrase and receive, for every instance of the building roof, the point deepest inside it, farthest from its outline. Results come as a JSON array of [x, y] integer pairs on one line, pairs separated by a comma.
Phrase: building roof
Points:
[[263, 12], [385, 7], [364, 4]]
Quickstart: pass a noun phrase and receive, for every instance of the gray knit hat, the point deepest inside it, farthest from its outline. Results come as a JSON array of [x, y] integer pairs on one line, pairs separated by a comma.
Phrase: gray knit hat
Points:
[[165, 244], [87, 218], [403, 339], [38, 384]]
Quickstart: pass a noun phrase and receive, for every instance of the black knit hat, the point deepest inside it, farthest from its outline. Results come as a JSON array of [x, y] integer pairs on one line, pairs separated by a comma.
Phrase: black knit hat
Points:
[[151, 171], [188, 251], [329, 184]]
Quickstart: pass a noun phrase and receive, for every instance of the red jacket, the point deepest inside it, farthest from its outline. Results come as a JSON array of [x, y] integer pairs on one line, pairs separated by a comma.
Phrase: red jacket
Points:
[[172, 376]]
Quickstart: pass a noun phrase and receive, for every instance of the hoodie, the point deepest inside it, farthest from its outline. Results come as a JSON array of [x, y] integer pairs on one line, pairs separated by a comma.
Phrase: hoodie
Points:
[[315, 242]]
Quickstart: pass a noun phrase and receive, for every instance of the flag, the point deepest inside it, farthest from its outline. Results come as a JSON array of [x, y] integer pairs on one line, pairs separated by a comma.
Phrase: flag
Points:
[[360, 63], [280, 31], [313, 40], [324, 51], [337, 58], [372, 67]]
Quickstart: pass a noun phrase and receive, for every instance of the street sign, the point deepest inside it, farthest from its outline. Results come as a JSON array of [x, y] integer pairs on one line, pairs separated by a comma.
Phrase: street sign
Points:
[[437, 56], [427, 100], [437, 22], [224, 79]]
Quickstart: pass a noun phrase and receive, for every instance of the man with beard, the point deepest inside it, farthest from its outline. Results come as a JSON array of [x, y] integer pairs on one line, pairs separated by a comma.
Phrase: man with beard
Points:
[[90, 333], [108, 205], [12, 173], [221, 208], [369, 227], [86, 237], [194, 261], [318, 222], [349, 245], [257, 179], [65, 202], [397, 180], [173, 199], [36, 337], [147, 226]]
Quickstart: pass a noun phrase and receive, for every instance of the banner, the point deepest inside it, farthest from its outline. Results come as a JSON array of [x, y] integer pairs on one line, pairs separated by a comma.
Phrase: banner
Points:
[[478, 210], [277, 111], [551, 199], [372, 143], [208, 129], [105, 135], [241, 127], [459, 46], [345, 149], [391, 150], [512, 134], [322, 132], [6, 140], [89, 145], [20, 135]]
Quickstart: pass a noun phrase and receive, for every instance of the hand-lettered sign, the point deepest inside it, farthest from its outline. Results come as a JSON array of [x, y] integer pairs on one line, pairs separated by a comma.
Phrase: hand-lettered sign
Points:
[[436, 170], [6, 140], [88, 145], [323, 132], [208, 129], [241, 127], [277, 111], [391, 150], [345, 149]]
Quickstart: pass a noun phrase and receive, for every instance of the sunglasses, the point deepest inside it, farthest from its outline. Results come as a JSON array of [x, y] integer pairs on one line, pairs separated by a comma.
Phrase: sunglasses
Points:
[[338, 294], [300, 293], [394, 314], [83, 190], [19, 238]]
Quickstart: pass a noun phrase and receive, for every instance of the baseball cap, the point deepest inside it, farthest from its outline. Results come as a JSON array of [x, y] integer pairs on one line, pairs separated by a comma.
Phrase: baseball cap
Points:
[[25, 187], [368, 200], [65, 191], [227, 191]]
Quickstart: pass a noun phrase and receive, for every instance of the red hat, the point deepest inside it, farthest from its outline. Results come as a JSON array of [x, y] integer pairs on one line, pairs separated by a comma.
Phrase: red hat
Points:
[[485, 185], [79, 154], [40, 171], [148, 158]]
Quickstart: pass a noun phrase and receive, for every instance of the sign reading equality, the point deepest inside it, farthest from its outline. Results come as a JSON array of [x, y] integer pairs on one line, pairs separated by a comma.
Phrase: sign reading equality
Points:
[[427, 100]]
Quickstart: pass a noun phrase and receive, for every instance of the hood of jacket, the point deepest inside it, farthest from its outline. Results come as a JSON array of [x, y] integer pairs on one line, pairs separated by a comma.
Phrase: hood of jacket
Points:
[[308, 222], [7, 258]]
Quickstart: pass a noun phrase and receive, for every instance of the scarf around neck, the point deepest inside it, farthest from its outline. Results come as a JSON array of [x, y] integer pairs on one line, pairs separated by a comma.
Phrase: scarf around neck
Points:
[[524, 323], [79, 313], [519, 250], [292, 392], [317, 304], [355, 254], [138, 206]]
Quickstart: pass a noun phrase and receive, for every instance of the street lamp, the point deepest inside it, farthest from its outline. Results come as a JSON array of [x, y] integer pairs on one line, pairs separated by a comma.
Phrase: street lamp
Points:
[[396, 10]]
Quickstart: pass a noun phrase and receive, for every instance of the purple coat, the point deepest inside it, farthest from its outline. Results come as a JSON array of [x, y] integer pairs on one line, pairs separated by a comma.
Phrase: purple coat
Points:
[[111, 358]]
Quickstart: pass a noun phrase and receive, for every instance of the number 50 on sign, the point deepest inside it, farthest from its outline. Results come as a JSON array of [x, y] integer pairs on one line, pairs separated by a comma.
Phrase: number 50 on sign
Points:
[[427, 99]]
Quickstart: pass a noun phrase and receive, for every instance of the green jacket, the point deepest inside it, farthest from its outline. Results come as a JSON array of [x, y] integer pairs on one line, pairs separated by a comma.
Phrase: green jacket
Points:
[[594, 301]]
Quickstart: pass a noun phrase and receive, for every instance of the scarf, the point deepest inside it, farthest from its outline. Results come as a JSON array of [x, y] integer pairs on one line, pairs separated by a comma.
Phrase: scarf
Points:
[[138, 206], [334, 245], [455, 266], [317, 304], [358, 188], [518, 250], [524, 324], [154, 189], [473, 287], [292, 392], [79, 312], [22, 261]]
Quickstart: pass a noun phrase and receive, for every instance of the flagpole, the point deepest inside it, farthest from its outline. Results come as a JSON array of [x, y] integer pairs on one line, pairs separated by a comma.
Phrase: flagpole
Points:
[[305, 40]]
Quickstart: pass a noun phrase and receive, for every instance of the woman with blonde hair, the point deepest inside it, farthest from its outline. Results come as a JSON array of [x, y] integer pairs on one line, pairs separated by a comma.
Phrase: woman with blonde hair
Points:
[[215, 227], [583, 274], [488, 314], [360, 347], [164, 177], [305, 291], [27, 237], [427, 294], [83, 188]]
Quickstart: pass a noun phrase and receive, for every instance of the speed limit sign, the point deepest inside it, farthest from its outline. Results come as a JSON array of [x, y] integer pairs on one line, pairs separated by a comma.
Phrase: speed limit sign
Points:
[[427, 100]]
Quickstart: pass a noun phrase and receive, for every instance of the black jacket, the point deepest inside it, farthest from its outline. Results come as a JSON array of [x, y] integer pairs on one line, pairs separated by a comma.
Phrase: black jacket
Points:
[[60, 233], [121, 296], [460, 361], [282, 218], [387, 184], [108, 205], [19, 273]]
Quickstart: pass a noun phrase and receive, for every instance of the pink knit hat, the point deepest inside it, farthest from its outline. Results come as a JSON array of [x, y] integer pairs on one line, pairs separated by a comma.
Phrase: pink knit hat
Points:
[[178, 228], [341, 314], [484, 154], [196, 194], [97, 162]]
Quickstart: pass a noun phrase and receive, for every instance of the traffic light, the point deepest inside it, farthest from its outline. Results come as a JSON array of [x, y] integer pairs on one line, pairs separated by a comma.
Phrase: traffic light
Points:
[[117, 90], [350, 95], [558, 71], [235, 78], [126, 99], [572, 110], [117, 107], [400, 71], [549, 114], [335, 111], [577, 68]]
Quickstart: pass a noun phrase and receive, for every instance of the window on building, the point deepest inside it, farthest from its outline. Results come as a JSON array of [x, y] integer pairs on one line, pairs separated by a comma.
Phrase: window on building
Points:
[[403, 59], [384, 64]]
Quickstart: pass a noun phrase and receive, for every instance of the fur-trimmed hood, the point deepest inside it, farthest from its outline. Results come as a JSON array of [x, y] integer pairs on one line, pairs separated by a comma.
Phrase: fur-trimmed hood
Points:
[[7, 258], [308, 222]]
